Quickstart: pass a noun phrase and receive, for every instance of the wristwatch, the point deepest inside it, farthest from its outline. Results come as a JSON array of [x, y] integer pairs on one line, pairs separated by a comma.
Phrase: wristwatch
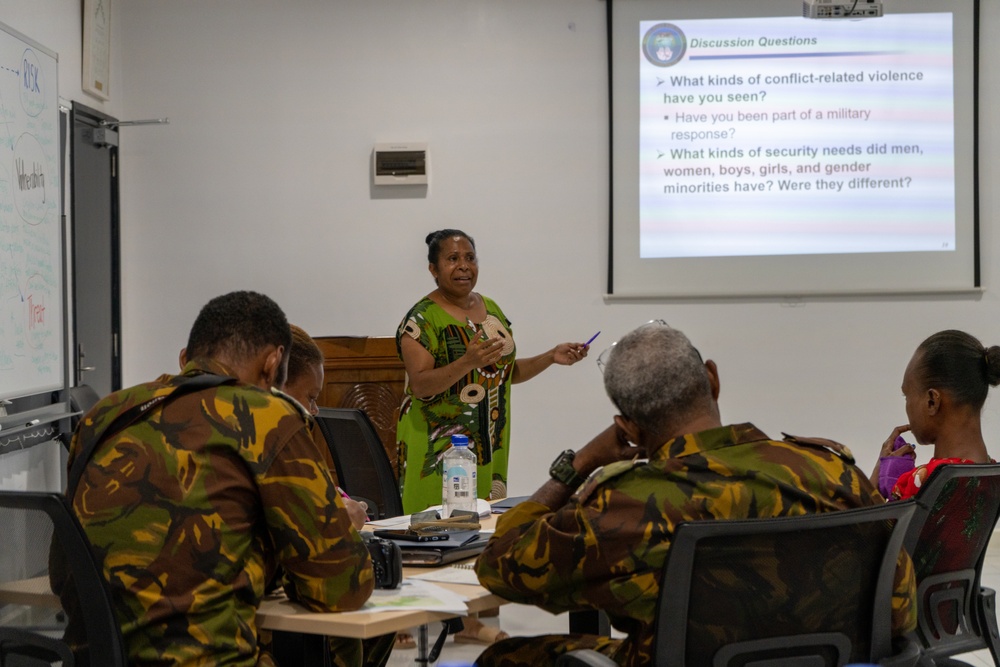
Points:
[[562, 470]]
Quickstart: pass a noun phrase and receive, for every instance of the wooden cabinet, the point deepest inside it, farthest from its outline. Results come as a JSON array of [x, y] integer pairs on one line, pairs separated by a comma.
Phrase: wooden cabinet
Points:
[[364, 372]]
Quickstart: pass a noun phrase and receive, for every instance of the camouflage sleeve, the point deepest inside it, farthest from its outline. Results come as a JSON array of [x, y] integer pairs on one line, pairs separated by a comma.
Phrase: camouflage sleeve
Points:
[[326, 564], [601, 554], [554, 560], [494, 567]]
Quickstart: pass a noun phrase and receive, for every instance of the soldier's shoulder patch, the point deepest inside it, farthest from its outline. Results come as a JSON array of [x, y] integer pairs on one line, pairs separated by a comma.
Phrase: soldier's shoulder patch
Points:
[[608, 472], [841, 450]]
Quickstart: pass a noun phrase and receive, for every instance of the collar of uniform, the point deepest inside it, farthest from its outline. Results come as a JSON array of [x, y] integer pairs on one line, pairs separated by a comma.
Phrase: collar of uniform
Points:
[[306, 415], [203, 365], [713, 438]]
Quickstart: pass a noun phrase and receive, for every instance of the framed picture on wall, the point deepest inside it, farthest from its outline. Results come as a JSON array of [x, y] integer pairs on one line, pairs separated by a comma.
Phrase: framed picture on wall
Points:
[[97, 47]]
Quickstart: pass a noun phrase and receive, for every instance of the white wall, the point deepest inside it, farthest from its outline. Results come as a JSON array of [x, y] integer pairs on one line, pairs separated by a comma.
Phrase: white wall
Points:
[[261, 181]]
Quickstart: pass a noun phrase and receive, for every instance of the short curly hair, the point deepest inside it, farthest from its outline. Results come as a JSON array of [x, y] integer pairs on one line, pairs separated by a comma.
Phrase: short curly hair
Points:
[[657, 378], [240, 325]]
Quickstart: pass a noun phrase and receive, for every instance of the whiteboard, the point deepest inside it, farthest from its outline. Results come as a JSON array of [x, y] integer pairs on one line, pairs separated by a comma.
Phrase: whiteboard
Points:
[[32, 335]]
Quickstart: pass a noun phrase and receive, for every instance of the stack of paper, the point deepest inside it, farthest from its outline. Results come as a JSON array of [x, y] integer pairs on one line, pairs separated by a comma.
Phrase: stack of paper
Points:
[[415, 594]]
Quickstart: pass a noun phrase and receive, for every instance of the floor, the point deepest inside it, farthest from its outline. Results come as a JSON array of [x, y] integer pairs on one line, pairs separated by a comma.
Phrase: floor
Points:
[[519, 620], [516, 620]]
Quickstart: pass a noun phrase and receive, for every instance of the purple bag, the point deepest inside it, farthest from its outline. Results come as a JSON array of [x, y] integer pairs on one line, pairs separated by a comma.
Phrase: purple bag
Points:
[[891, 467]]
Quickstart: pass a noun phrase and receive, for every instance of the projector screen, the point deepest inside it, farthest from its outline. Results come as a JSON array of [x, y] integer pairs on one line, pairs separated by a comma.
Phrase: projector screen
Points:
[[759, 153]]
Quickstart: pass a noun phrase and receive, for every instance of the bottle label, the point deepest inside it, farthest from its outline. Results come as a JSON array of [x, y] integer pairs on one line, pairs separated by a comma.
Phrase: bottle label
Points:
[[458, 482]]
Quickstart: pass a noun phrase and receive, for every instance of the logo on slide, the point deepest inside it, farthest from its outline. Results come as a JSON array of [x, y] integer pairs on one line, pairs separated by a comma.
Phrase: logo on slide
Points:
[[664, 45]]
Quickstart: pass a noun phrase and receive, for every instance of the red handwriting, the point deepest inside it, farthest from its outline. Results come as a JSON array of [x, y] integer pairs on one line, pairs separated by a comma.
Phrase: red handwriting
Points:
[[36, 314]]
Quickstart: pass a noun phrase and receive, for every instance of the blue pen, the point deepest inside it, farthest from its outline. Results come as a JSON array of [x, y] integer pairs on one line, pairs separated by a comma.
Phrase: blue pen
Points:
[[592, 339]]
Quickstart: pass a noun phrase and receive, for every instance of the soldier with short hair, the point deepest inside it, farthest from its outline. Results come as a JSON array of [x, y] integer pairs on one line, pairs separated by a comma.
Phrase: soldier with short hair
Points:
[[194, 489], [597, 535]]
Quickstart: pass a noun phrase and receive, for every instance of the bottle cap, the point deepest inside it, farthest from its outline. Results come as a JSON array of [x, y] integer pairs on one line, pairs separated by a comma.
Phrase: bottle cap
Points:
[[459, 440]]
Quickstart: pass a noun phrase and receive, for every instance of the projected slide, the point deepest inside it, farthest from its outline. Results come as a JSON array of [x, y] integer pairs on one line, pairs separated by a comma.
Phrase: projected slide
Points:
[[788, 136]]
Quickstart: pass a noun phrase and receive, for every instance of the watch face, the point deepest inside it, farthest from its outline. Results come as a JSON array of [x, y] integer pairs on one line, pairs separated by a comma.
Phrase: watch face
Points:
[[562, 469]]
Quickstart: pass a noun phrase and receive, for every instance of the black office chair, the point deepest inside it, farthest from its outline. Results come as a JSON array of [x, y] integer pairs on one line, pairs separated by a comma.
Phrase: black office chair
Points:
[[719, 606], [957, 510], [81, 399], [40, 529], [362, 465]]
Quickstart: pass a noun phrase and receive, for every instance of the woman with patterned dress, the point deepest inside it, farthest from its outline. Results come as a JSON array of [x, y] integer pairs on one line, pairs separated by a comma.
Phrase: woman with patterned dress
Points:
[[458, 350], [945, 386]]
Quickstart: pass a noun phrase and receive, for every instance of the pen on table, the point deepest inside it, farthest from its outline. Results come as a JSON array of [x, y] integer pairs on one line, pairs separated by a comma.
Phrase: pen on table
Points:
[[592, 339]]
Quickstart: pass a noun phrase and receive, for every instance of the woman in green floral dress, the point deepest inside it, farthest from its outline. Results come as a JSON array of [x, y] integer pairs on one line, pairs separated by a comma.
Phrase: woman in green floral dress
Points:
[[460, 360]]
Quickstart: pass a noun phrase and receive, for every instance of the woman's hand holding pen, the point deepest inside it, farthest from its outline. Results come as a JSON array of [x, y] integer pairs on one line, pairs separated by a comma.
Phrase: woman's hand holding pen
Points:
[[568, 354], [358, 511]]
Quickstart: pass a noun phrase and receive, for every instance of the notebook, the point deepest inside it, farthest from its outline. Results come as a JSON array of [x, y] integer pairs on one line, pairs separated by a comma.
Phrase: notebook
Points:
[[454, 539], [429, 556], [504, 504], [461, 573]]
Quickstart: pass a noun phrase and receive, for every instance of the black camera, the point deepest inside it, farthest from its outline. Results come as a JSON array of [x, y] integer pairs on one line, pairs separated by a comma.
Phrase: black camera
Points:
[[387, 561]]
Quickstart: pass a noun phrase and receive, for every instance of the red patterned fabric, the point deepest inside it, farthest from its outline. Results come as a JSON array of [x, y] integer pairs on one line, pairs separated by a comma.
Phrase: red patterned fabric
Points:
[[952, 541], [910, 482]]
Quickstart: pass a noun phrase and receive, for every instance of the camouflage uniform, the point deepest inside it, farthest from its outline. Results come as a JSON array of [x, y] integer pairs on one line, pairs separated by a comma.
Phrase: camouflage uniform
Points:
[[605, 549], [192, 509]]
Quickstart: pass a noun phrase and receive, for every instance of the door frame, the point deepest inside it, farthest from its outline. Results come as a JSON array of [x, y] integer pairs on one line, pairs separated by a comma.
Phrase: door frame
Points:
[[94, 118]]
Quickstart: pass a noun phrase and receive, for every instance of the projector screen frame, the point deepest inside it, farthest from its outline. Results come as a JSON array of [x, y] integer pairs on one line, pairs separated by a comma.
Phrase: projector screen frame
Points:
[[670, 288]]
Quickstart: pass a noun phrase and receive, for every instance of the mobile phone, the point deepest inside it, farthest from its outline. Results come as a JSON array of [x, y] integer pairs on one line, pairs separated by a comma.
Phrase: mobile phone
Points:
[[409, 536]]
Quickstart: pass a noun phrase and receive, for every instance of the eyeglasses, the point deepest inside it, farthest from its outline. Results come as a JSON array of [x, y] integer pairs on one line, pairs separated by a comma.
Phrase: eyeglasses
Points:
[[602, 358]]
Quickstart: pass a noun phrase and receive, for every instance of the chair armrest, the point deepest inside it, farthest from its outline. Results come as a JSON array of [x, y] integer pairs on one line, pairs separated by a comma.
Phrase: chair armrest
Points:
[[584, 658], [906, 653], [986, 609]]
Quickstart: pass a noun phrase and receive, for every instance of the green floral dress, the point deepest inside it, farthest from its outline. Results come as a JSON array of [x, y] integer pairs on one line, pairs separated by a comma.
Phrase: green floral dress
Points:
[[478, 405]]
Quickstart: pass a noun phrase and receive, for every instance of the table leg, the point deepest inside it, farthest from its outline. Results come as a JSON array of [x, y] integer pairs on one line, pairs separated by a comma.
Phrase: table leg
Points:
[[292, 648], [422, 645]]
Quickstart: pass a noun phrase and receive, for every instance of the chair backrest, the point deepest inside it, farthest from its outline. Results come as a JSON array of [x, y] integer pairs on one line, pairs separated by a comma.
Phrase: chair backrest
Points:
[[82, 398], [47, 546], [810, 590], [957, 509], [363, 467]]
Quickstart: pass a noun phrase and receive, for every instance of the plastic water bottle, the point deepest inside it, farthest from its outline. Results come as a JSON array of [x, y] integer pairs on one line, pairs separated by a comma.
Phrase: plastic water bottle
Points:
[[458, 491]]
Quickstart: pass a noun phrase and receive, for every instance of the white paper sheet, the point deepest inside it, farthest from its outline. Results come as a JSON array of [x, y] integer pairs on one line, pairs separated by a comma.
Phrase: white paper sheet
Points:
[[415, 594], [454, 574]]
